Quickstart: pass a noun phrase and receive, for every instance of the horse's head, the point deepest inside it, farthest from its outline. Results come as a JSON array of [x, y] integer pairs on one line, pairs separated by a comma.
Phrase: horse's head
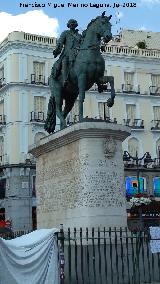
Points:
[[103, 27]]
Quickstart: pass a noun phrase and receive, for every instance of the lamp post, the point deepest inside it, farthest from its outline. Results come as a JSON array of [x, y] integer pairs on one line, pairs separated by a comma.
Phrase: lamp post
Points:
[[127, 157]]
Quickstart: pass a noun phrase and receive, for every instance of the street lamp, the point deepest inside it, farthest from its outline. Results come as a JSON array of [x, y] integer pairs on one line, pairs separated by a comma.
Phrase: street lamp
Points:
[[147, 159]]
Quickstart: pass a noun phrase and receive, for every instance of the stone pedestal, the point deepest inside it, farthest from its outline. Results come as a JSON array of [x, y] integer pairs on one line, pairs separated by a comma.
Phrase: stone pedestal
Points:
[[80, 176]]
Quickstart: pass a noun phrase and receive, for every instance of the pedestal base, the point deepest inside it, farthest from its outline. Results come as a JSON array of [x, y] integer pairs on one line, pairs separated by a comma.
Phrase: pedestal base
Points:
[[80, 176]]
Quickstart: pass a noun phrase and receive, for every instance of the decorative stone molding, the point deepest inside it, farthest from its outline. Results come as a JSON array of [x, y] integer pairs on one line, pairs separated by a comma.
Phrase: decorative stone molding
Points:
[[78, 131]]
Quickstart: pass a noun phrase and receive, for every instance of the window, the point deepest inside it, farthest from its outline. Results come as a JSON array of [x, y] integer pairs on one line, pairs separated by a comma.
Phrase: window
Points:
[[1, 149], [33, 186], [131, 112], [128, 81], [2, 214], [1, 108], [39, 107], [155, 80], [38, 70], [34, 218], [158, 148], [2, 118], [103, 110], [133, 146], [156, 112], [2, 188], [1, 74], [155, 85]]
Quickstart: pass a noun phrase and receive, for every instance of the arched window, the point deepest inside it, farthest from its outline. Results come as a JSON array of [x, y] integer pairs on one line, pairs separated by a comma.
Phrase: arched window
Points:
[[38, 136], [1, 148], [133, 146]]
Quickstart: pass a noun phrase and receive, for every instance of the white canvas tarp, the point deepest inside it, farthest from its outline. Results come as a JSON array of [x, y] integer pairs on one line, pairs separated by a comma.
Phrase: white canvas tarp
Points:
[[30, 259]]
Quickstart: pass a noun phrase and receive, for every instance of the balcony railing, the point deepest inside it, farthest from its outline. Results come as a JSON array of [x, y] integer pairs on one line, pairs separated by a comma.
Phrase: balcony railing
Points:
[[2, 119], [155, 163], [155, 125], [135, 124], [154, 90], [37, 116], [128, 51], [129, 88], [40, 80], [106, 87]]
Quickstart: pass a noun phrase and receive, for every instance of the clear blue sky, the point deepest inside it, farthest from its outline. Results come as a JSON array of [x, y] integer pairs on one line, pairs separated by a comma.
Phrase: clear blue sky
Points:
[[145, 15]]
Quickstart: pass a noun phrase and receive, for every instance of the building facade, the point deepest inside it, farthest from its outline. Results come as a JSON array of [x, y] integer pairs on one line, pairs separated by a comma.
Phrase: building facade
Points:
[[25, 65]]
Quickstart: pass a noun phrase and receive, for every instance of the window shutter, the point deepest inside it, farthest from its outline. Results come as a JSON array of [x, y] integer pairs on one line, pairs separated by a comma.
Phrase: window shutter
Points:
[[131, 112], [133, 146], [39, 107], [155, 80], [38, 69], [103, 110], [156, 111], [1, 108]]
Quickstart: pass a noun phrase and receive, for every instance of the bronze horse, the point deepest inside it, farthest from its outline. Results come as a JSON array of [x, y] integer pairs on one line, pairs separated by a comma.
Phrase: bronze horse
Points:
[[88, 69]]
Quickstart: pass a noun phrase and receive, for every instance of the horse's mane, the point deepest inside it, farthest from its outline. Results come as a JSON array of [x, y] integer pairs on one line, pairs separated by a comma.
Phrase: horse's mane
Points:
[[90, 24]]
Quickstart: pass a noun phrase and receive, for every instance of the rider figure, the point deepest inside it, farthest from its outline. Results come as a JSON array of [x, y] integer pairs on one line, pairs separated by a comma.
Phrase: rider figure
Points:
[[68, 43]]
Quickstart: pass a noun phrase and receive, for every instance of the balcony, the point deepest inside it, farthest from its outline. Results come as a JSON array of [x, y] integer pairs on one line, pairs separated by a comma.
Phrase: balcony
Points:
[[106, 87], [2, 119], [156, 163], [130, 89], [134, 124], [155, 125], [37, 116], [154, 90], [40, 80]]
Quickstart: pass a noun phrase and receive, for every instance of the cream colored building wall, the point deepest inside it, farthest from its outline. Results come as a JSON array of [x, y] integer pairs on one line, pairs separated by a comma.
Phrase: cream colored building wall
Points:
[[14, 67], [144, 80], [19, 132], [117, 73], [14, 105], [13, 133]]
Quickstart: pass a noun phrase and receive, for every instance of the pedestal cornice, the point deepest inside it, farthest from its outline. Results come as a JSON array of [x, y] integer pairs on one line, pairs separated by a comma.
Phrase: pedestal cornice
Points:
[[91, 129]]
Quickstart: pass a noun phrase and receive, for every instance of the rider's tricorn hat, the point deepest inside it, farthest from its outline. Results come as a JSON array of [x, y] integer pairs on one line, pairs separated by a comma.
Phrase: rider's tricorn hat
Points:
[[71, 21]]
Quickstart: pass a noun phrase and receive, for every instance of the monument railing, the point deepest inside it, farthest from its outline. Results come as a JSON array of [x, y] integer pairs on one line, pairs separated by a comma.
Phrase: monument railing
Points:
[[108, 255]]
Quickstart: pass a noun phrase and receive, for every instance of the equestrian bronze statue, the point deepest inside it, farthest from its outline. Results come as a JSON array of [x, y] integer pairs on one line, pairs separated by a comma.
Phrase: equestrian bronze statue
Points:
[[79, 66]]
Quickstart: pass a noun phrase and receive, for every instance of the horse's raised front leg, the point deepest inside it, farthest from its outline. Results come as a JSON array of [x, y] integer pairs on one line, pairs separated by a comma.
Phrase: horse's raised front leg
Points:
[[81, 87]]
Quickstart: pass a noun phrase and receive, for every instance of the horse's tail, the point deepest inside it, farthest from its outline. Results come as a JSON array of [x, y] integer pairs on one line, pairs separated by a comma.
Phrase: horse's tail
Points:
[[50, 122]]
